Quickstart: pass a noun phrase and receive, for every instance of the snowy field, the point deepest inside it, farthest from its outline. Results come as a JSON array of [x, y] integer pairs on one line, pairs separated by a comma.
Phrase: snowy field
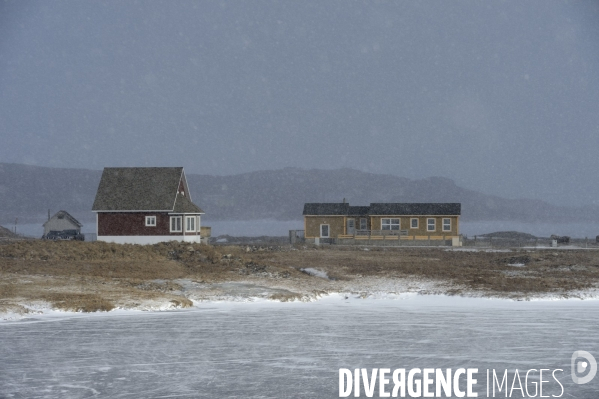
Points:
[[289, 350]]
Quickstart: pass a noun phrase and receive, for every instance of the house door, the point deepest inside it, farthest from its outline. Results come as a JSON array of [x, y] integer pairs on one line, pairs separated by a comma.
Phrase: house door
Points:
[[351, 226]]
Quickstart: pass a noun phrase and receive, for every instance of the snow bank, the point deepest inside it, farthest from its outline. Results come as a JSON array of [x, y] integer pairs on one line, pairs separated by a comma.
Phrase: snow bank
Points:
[[315, 272]]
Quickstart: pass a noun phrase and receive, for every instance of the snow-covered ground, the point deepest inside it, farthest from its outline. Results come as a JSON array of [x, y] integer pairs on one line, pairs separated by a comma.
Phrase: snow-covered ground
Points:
[[264, 349]]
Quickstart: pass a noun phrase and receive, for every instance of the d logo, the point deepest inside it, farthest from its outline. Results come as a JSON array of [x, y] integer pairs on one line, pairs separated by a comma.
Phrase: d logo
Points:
[[581, 366]]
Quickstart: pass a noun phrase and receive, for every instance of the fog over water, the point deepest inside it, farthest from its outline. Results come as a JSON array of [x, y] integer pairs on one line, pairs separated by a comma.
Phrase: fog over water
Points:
[[502, 97]]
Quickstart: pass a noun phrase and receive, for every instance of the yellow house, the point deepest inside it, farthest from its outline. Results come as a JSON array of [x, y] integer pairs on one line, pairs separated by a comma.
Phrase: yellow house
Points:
[[342, 223]]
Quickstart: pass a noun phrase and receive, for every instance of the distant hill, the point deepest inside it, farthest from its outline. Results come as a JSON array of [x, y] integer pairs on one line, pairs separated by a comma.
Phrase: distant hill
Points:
[[6, 233], [281, 194], [27, 192]]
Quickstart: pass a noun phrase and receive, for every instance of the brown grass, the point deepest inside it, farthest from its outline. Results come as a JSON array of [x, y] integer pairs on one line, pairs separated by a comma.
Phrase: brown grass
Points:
[[96, 276], [285, 297], [84, 276], [79, 302], [547, 271]]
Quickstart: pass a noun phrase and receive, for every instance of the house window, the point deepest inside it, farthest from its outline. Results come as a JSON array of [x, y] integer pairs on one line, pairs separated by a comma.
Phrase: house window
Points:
[[446, 224], [389, 224], [190, 223], [414, 223], [176, 224], [430, 224], [324, 230], [151, 221], [363, 224]]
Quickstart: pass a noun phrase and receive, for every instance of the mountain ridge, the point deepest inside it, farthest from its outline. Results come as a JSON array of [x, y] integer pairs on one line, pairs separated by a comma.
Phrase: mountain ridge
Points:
[[29, 191]]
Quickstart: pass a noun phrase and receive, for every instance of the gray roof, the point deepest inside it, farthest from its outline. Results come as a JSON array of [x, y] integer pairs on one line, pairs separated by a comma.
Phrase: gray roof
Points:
[[184, 205], [342, 209], [358, 210], [64, 215], [328, 209], [140, 189], [416, 209]]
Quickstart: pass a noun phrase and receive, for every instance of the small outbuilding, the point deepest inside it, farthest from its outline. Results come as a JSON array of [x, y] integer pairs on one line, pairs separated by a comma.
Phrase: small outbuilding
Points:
[[61, 221]]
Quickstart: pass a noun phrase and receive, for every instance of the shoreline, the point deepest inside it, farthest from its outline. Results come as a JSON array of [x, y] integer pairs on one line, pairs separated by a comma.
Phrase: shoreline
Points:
[[41, 276], [45, 311]]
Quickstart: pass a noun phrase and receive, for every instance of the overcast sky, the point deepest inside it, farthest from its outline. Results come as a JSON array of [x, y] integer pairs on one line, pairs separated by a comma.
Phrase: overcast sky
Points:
[[502, 97]]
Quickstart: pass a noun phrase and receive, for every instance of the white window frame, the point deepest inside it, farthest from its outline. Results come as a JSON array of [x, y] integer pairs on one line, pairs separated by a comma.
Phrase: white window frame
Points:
[[448, 224], [363, 224], [412, 220], [391, 224], [428, 224], [151, 221], [180, 223], [191, 219], [328, 230]]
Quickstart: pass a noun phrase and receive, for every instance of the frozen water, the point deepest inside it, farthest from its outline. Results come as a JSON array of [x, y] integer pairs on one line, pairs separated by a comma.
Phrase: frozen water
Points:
[[575, 230], [288, 350]]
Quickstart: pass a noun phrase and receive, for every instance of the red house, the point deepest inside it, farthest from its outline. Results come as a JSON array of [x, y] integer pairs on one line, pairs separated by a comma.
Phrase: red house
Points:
[[145, 206]]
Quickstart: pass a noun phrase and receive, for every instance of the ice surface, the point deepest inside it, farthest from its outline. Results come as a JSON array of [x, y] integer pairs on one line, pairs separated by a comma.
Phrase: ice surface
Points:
[[287, 350], [576, 230]]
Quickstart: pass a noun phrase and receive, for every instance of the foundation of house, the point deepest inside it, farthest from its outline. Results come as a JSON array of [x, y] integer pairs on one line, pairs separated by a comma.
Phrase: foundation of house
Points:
[[146, 240], [408, 241]]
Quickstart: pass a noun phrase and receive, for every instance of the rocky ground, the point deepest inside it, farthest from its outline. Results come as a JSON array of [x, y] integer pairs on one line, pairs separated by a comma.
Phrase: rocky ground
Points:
[[96, 276]]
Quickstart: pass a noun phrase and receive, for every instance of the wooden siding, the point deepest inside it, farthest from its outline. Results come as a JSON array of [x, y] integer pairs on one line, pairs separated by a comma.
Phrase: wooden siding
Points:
[[375, 222], [312, 225], [339, 226], [206, 231], [134, 224]]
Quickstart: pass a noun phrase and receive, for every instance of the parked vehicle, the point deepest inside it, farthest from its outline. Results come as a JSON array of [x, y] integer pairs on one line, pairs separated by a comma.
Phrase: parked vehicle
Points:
[[64, 235], [561, 239]]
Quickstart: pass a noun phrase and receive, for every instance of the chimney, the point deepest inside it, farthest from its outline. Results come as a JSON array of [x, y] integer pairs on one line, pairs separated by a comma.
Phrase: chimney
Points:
[[48, 214], [344, 200]]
